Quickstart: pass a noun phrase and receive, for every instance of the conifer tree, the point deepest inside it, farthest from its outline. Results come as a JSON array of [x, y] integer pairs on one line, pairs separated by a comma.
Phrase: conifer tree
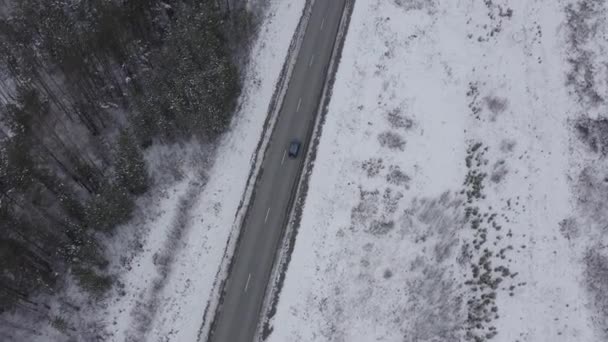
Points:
[[131, 170]]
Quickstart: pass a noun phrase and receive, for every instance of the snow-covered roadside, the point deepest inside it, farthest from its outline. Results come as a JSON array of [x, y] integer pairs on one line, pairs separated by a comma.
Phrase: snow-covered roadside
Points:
[[166, 277], [448, 199]]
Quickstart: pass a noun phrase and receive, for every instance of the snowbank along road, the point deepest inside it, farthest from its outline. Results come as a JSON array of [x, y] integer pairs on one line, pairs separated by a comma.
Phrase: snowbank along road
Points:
[[238, 316]]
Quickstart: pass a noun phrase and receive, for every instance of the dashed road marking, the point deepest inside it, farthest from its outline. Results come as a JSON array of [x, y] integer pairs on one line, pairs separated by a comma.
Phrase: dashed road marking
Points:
[[247, 284]]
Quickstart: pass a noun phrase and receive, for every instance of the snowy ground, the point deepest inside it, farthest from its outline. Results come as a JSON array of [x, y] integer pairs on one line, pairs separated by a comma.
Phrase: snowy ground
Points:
[[167, 261], [460, 190]]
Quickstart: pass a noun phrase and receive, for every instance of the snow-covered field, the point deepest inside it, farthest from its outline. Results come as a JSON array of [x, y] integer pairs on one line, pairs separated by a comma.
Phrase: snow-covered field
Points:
[[460, 190], [167, 262]]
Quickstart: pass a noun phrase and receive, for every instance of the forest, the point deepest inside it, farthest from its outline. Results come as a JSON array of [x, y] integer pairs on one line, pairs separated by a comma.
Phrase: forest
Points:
[[86, 87]]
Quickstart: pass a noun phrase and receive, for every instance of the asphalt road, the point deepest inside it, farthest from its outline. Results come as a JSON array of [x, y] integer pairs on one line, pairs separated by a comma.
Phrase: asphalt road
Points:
[[240, 313]]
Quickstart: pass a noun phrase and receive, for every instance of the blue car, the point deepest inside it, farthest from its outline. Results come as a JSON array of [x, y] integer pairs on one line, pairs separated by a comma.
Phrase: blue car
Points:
[[294, 148]]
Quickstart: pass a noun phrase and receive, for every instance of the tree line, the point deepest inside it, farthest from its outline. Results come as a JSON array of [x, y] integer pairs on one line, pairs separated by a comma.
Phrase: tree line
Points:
[[85, 87]]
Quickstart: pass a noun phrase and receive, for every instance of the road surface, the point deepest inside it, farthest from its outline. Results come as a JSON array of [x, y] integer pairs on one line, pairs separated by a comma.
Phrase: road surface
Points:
[[240, 313]]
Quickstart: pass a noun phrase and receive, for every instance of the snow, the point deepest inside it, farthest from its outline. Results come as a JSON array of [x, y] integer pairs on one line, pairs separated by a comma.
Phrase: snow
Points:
[[385, 249], [168, 260]]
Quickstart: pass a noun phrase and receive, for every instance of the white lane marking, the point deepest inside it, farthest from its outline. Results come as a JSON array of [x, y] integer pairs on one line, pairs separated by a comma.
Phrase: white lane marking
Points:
[[312, 58], [267, 212], [283, 160], [322, 23], [247, 284], [299, 103]]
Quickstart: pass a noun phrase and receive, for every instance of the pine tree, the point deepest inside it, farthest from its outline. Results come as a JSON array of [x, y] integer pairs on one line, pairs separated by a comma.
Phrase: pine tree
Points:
[[113, 206], [131, 171]]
